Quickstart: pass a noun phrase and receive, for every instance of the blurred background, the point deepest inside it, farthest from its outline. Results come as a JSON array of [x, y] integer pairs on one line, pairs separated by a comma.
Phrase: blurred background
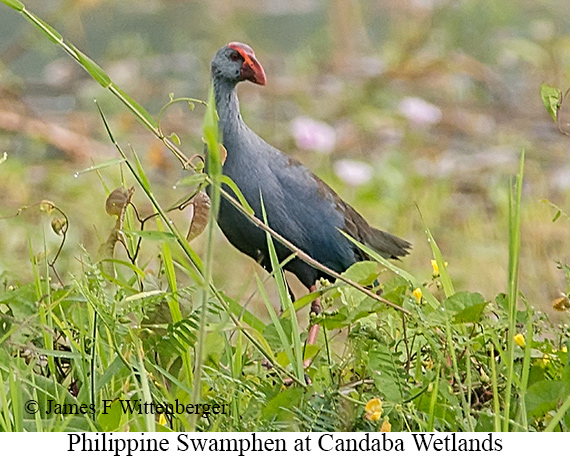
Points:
[[397, 104]]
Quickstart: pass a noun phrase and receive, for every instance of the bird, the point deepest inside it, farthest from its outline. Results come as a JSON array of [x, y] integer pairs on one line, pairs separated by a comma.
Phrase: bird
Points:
[[299, 206]]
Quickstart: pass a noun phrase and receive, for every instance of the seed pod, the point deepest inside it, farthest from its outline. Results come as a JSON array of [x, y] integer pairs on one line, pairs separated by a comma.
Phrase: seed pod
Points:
[[200, 213], [47, 207], [116, 201], [59, 225]]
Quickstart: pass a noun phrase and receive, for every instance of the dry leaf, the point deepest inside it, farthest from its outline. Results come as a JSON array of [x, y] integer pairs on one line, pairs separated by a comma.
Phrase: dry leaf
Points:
[[118, 200], [200, 213]]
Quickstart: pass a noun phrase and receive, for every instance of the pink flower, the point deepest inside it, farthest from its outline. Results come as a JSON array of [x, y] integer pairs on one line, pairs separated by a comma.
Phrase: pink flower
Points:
[[313, 135], [419, 112], [353, 172]]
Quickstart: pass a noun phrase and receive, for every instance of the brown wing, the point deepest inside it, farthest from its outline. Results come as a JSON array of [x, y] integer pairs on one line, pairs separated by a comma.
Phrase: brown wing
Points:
[[386, 244]]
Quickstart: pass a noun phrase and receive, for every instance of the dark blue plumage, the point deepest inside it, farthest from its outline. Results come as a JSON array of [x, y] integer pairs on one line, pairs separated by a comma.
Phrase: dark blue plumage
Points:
[[299, 206]]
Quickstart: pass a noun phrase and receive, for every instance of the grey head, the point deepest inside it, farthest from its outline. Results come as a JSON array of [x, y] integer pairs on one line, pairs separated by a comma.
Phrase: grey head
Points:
[[236, 62]]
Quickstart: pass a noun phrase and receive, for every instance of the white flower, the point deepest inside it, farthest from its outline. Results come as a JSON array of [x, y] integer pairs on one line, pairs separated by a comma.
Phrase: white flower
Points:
[[419, 112], [313, 135], [353, 172]]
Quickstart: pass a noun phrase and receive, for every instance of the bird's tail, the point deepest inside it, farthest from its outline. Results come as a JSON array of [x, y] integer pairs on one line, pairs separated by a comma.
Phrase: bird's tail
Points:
[[387, 245]]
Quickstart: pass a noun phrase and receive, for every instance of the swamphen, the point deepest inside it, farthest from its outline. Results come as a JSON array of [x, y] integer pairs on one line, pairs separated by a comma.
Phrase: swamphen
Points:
[[299, 206]]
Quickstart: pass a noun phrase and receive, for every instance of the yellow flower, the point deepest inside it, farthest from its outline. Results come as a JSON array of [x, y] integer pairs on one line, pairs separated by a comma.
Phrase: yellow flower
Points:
[[436, 267], [564, 349], [373, 409], [519, 339], [386, 426], [417, 293], [162, 419]]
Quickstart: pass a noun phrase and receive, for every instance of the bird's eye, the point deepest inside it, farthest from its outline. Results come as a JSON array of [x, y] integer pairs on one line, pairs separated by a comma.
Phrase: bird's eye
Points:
[[234, 56]]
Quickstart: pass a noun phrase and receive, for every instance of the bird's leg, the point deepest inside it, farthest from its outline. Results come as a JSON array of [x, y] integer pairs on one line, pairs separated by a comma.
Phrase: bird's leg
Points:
[[316, 308], [316, 304]]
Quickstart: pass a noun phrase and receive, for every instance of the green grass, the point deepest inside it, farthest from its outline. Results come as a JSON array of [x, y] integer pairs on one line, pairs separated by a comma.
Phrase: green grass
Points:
[[157, 328]]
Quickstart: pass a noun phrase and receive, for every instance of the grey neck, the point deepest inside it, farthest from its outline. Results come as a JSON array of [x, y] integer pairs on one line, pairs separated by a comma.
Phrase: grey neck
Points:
[[227, 105]]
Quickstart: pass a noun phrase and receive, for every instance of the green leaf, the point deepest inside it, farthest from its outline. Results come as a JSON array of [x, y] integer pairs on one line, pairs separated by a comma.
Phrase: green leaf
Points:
[[470, 314], [104, 164], [141, 175], [246, 316], [262, 342], [466, 306], [194, 179], [210, 130], [154, 235], [441, 265], [383, 363], [395, 289], [352, 311], [564, 409], [364, 273], [111, 417], [214, 153], [175, 139], [18, 6], [552, 99], [111, 371], [233, 186], [277, 324], [21, 301], [52, 34], [126, 264], [93, 69], [543, 397], [303, 301], [279, 408]]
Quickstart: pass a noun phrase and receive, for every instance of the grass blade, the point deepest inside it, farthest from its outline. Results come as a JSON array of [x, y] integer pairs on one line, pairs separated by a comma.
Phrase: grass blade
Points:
[[214, 162], [286, 303], [276, 322], [441, 264], [513, 285]]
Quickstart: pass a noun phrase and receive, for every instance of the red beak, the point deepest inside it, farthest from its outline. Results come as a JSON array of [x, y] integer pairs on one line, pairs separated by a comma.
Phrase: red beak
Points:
[[251, 69]]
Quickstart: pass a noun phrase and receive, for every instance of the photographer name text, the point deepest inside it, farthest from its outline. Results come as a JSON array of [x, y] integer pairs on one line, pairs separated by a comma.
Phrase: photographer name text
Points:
[[130, 406]]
